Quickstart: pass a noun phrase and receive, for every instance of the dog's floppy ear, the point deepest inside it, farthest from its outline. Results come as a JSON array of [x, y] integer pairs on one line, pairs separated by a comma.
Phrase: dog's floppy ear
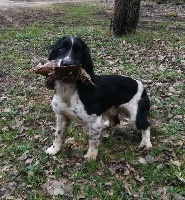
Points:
[[54, 48], [88, 63]]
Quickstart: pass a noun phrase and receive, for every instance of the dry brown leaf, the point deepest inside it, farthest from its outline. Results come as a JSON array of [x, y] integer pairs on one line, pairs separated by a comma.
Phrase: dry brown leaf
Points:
[[140, 179], [126, 171], [81, 195], [24, 156], [6, 110], [56, 187], [149, 159], [29, 160], [142, 160], [177, 197], [53, 188], [176, 163]]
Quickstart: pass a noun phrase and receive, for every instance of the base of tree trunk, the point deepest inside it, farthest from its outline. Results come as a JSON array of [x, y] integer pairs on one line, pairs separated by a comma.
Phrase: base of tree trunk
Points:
[[126, 16]]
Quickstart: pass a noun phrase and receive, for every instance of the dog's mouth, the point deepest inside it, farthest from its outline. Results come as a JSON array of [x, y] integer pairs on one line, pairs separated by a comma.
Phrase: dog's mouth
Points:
[[67, 68], [69, 73]]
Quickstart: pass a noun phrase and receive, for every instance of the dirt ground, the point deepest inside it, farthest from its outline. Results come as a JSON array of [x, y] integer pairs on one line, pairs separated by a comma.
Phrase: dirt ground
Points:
[[15, 12], [4, 4]]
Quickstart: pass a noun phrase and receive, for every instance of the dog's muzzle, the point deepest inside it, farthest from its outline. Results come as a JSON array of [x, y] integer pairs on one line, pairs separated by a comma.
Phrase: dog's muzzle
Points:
[[67, 62]]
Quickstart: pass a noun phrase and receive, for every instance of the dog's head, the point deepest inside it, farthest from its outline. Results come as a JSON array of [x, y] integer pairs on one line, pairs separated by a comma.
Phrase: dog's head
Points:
[[71, 51]]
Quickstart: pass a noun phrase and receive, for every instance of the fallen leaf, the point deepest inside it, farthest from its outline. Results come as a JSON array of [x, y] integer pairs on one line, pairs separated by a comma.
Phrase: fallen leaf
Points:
[[6, 110], [176, 162], [105, 134], [111, 192], [29, 160], [9, 197], [62, 186], [112, 170], [108, 183], [5, 128], [53, 187], [142, 160], [149, 159], [140, 179], [6, 168], [81, 195], [165, 197], [128, 188], [24, 156], [177, 197], [126, 171], [179, 176]]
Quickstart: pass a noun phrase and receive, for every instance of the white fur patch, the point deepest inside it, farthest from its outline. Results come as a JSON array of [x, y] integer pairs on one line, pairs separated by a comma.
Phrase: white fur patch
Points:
[[132, 105], [67, 102]]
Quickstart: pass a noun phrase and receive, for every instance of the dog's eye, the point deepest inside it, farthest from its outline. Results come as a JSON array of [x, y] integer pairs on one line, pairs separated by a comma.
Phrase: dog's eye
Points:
[[62, 50]]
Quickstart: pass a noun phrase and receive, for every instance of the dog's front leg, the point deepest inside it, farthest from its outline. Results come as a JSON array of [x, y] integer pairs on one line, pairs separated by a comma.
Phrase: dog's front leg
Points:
[[62, 123], [94, 136]]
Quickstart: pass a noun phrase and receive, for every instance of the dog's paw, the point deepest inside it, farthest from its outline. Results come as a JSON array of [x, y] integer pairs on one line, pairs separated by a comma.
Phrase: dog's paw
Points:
[[91, 155], [53, 150], [146, 144]]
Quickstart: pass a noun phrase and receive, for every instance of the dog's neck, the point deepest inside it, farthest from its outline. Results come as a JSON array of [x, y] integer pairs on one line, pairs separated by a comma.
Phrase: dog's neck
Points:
[[65, 90]]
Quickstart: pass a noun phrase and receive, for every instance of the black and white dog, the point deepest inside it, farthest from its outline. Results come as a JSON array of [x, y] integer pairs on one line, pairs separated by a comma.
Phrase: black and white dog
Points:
[[88, 104]]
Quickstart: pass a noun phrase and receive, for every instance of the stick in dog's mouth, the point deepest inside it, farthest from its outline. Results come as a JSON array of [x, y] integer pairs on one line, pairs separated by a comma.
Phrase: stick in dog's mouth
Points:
[[70, 73]]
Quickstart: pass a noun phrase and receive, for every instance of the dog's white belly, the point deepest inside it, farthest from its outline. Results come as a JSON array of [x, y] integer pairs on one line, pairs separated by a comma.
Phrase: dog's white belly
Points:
[[72, 108]]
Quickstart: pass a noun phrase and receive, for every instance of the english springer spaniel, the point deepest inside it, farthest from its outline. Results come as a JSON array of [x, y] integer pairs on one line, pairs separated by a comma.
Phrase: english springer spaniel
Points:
[[110, 96]]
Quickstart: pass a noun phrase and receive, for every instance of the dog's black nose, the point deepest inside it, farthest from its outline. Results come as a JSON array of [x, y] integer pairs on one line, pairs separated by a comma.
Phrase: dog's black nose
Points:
[[67, 63]]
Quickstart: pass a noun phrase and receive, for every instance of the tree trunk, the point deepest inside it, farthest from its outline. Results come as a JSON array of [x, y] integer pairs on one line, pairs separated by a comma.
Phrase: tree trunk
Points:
[[126, 15]]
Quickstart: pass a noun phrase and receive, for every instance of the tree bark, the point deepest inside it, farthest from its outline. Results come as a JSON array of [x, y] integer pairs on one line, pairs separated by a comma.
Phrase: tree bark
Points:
[[126, 16]]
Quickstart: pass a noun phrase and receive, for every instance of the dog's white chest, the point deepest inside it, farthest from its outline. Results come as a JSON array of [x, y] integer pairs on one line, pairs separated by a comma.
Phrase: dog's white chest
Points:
[[69, 104]]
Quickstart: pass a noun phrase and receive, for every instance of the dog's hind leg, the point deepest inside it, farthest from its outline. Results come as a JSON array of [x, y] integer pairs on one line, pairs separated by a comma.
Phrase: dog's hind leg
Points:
[[94, 136], [62, 123], [142, 122], [144, 126], [145, 139]]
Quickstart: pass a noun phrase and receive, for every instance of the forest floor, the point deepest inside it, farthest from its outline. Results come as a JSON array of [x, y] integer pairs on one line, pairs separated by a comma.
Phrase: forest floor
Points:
[[154, 55]]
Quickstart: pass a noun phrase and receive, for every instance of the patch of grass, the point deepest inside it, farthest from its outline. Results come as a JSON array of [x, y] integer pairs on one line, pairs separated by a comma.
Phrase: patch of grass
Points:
[[27, 120]]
